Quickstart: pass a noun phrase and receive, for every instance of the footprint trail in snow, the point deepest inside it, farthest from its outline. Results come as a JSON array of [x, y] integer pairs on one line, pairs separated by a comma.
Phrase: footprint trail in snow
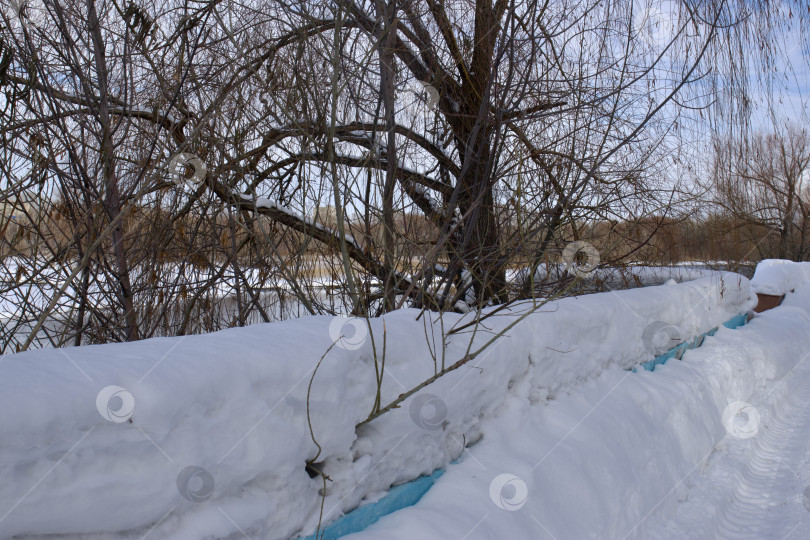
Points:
[[754, 488]]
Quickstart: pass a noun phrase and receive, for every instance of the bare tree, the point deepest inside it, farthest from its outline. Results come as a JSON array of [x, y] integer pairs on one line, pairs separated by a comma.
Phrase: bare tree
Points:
[[764, 184], [171, 162]]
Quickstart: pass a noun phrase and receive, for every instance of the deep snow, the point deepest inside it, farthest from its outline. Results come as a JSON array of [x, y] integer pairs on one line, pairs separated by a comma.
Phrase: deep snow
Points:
[[678, 453], [777, 277], [219, 434]]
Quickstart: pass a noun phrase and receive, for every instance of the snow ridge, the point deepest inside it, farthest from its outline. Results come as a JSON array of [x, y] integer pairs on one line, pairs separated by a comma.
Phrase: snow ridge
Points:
[[230, 411]]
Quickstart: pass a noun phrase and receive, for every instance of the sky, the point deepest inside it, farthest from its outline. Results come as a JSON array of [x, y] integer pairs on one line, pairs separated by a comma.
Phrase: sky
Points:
[[791, 93]]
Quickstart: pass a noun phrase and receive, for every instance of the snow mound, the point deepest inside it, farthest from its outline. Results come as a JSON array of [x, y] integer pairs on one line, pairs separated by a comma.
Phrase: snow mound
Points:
[[208, 436], [619, 457], [778, 277]]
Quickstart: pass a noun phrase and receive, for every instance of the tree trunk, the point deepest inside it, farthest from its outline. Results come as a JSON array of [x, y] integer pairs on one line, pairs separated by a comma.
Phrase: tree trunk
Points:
[[112, 202], [386, 25], [478, 246]]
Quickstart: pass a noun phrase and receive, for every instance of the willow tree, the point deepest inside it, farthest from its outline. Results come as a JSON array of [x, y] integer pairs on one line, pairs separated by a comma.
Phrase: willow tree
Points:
[[535, 115], [449, 139]]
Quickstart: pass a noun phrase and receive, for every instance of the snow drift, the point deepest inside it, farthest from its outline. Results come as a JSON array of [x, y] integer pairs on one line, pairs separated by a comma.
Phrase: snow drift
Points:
[[208, 436], [620, 456], [777, 276]]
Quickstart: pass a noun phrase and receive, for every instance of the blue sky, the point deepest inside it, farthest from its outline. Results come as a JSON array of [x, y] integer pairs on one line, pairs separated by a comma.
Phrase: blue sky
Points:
[[790, 98]]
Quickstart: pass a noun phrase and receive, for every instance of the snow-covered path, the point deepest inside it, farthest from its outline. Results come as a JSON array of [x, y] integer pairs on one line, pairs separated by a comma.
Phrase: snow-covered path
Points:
[[753, 486], [767, 501], [716, 446]]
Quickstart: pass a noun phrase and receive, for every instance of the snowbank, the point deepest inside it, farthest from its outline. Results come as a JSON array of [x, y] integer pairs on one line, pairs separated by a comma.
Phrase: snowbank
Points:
[[208, 436], [616, 458], [777, 276]]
